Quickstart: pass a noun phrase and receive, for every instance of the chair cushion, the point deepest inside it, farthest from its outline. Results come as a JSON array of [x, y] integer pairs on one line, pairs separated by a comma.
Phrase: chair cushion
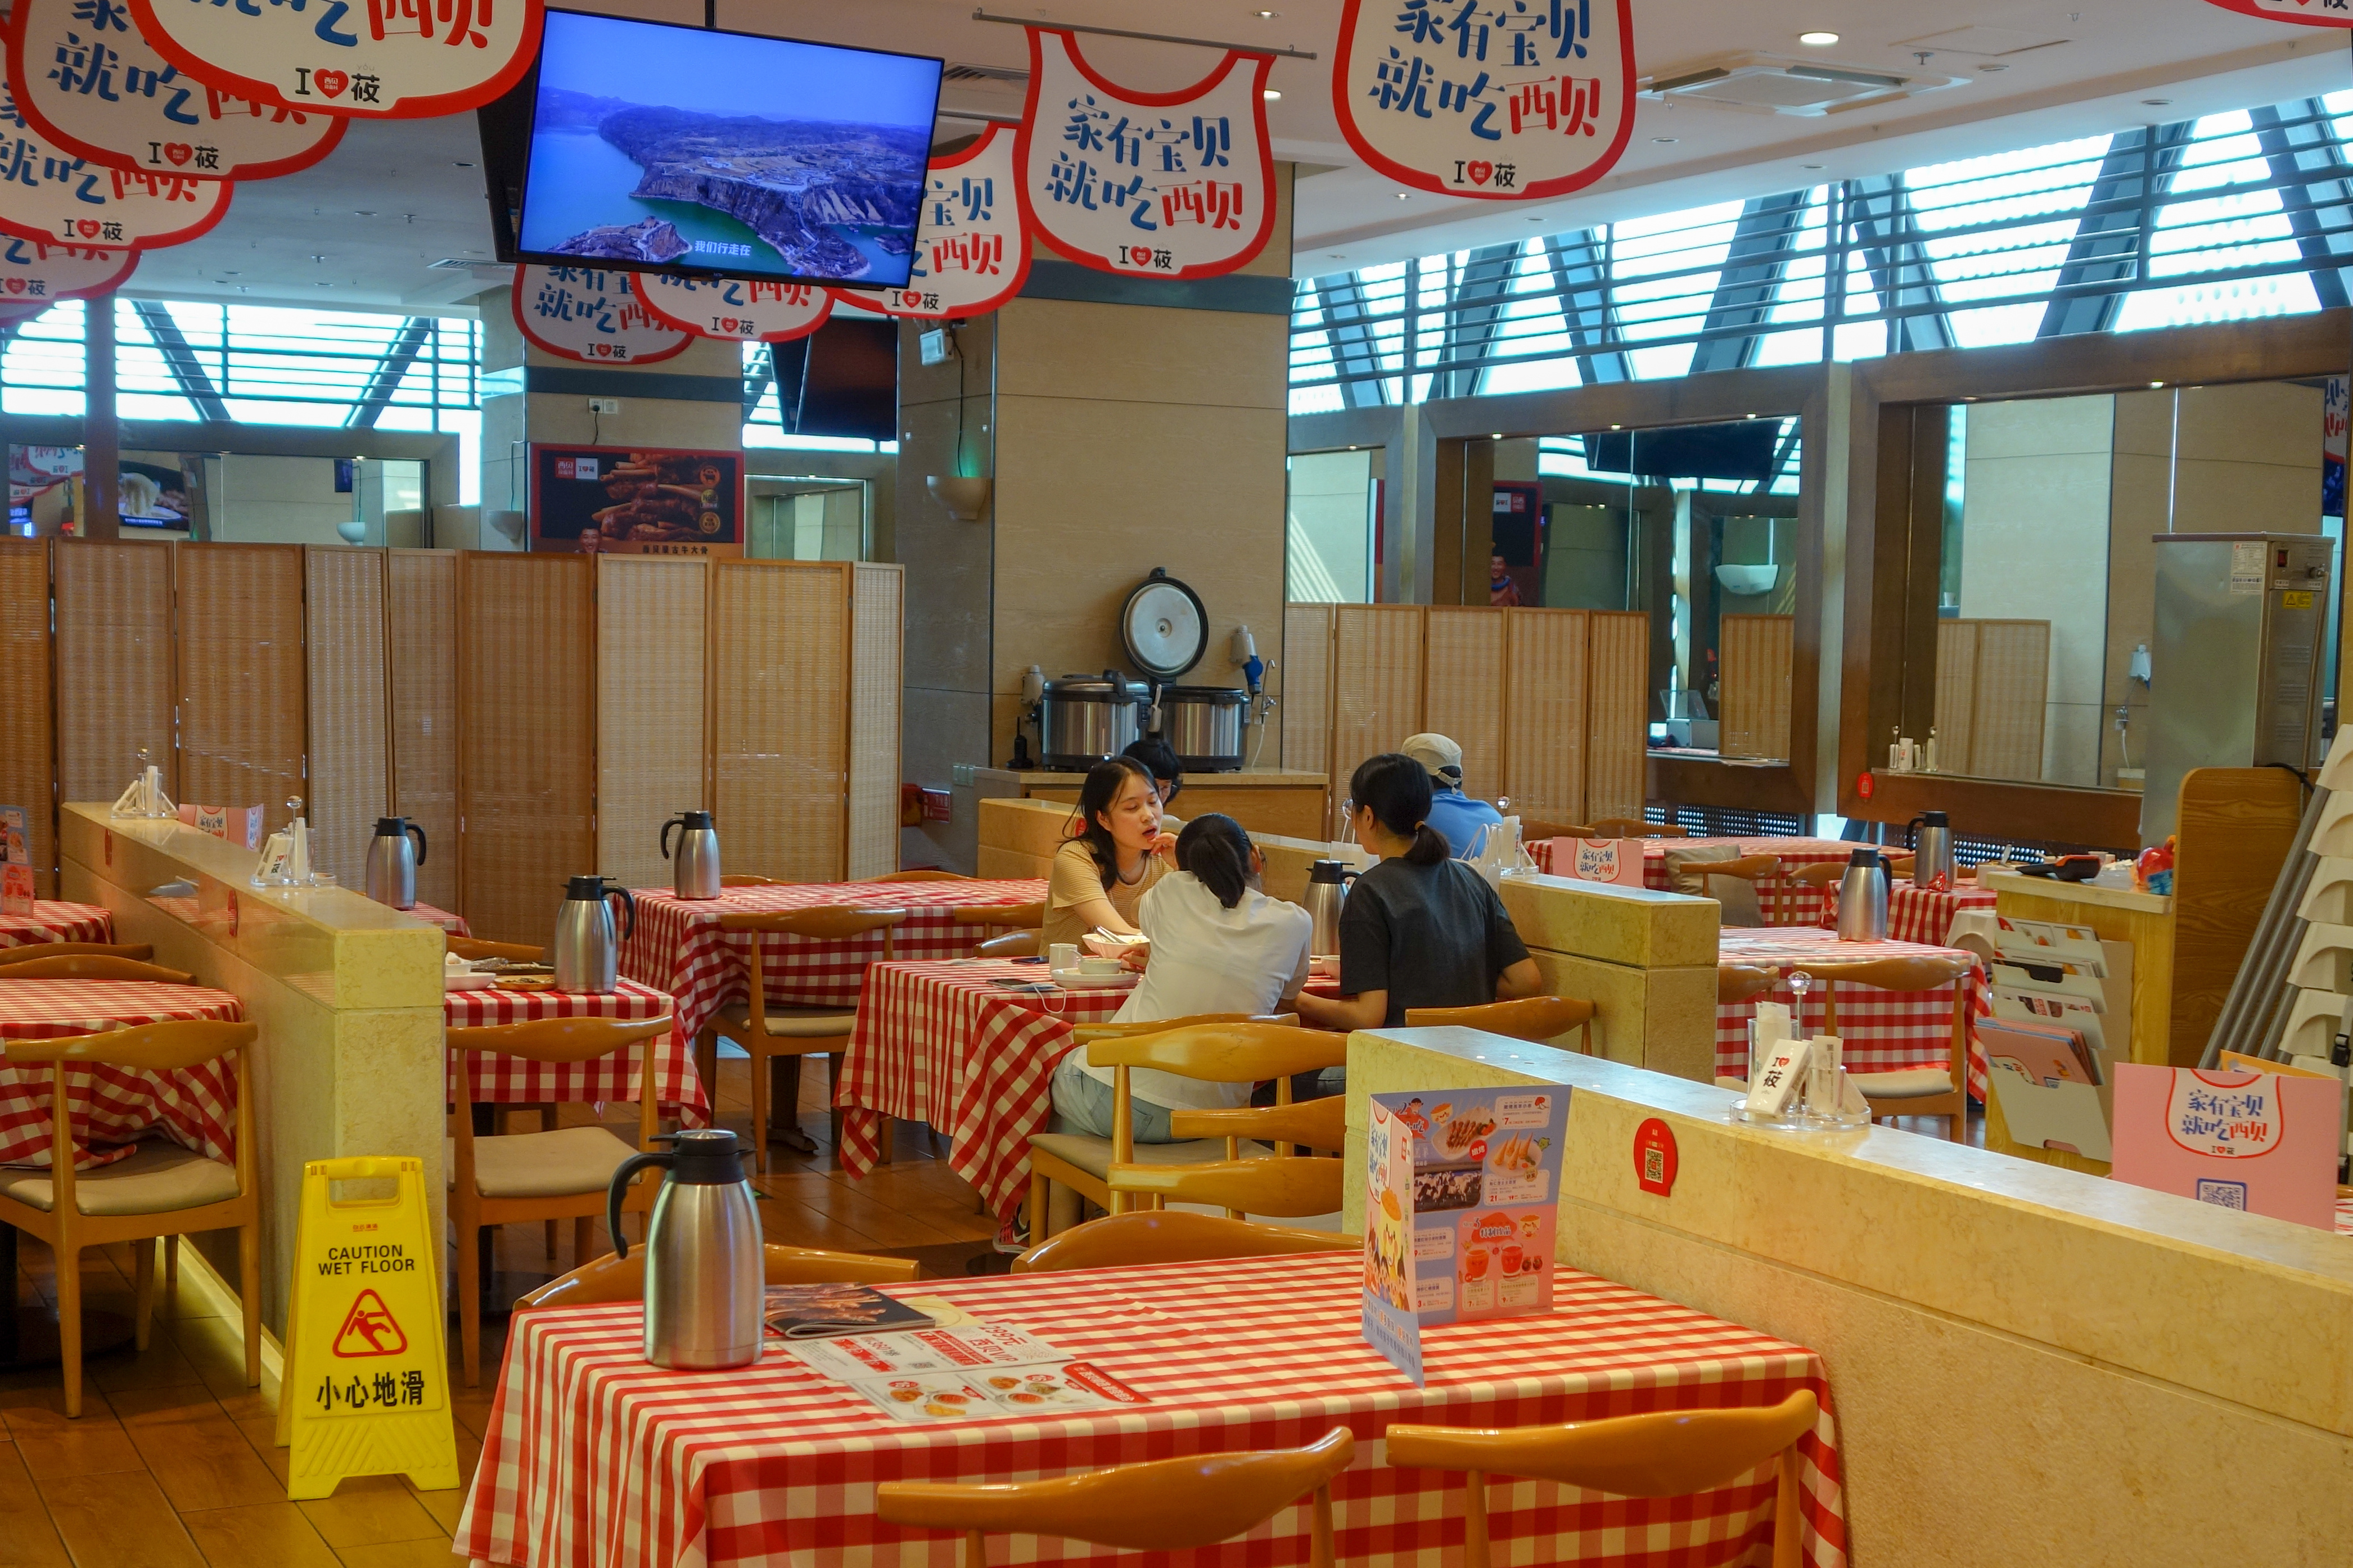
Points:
[[1092, 1156], [568, 1163], [1912, 1083], [1736, 894], [794, 1023], [159, 1178]]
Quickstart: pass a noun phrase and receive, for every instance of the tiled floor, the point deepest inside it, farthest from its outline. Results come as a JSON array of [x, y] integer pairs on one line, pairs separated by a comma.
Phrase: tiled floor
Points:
[[172, 1464]]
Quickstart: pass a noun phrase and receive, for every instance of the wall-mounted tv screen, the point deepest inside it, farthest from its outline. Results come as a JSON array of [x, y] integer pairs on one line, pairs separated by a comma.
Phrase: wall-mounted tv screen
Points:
[[670, 149]]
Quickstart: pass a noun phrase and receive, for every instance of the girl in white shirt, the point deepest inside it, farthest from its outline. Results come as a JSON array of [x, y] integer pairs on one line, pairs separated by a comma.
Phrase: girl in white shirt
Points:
[[1218, 944]]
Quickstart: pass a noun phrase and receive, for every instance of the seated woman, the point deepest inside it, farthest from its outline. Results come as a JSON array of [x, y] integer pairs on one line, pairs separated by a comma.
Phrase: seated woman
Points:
[[1220, 945], [1420, 929], [1100, 876]]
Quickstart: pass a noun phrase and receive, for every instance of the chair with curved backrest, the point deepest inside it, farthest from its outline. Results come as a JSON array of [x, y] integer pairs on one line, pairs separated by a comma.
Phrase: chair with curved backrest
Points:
[[140, 951], [1537, 1019], [1174, 1235], [922, 874], [746, 879], [614, 1277], [162, 1190], [1015, 921], [1634, 827], [1533, 829], [769, 1033], [520, 952], [1012, 945], [1911, 1092], [1667, 1453], [1161, 1505], [559, 1174], [94, 967]]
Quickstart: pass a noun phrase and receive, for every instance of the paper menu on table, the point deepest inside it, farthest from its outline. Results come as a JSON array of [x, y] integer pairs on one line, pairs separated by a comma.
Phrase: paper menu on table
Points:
[[15, 838], [1054, 1389], [972, 1348]]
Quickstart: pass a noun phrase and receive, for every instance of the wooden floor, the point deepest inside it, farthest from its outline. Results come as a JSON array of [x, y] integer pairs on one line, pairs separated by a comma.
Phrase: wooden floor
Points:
[[171, 1463]]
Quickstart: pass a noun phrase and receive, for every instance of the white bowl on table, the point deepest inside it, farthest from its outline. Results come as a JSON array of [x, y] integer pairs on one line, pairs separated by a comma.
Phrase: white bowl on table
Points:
[[1084, 980]]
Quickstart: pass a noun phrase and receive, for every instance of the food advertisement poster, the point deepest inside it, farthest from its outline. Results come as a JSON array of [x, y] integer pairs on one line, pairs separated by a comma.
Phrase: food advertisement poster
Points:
[[1462, 1198], [625, 500], [2259, 1143], [16, 862]]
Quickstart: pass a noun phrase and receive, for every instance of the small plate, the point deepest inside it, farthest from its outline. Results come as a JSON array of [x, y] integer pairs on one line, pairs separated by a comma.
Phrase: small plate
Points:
[[1075, 980], [461, 980]]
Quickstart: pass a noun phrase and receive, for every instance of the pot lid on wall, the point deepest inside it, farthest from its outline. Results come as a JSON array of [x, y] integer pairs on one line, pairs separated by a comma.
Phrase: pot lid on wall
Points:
[[1165, 625]]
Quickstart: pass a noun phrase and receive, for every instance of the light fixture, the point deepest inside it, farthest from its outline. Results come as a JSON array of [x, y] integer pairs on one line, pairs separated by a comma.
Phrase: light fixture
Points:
[[1535, 218], [1809, 165], [1991, 66], [1266, 16], [1271, 93], [461, 163], [965, 497], [1405, 196], [2157, 102], [2157, 386], [1666, 140], [1819, 39], [1496, 437]]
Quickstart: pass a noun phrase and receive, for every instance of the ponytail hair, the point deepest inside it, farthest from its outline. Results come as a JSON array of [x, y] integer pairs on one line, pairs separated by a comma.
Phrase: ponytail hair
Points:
[[1214, 848], [1396, 789]]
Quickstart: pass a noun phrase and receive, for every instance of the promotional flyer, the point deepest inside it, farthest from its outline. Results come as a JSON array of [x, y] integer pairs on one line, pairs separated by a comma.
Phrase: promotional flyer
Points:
[[623, 502]]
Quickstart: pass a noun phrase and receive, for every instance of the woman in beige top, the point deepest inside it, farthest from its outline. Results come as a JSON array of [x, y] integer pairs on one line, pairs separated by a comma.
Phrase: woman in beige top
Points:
[[1098, 877]]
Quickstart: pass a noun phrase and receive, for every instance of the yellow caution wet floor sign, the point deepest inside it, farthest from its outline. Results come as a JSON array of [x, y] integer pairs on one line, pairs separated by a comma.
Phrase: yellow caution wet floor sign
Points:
[[366, 1390]]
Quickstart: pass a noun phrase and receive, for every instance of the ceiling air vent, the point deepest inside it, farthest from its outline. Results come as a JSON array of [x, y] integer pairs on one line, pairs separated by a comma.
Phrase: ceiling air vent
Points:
[[1766, 84], [967, 73], [467, 264]]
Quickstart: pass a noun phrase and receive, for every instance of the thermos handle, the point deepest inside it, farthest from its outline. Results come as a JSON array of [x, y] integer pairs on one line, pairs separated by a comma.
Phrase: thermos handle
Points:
[[674, 822], [412, 827], [629, 1167], [628, 904]]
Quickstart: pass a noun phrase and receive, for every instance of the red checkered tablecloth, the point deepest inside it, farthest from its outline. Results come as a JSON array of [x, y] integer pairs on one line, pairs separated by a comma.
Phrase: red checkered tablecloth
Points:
[[594, 1459], [678, 944], [1783, 902], [945, 1043], [510, 1081], [1918, 914], [54, 921], [2345, 1216], [1879, 1031], [197, 1106]]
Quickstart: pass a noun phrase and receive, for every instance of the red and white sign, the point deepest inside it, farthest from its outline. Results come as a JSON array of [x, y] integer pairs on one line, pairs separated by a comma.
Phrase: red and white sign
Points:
[[88, 83], [34, 273], [972, 249], [1656, 1158], [2311, 13], [1503, 100], [385, 59], [749, 310], [51, 195], [1167, 185], [591, 314]]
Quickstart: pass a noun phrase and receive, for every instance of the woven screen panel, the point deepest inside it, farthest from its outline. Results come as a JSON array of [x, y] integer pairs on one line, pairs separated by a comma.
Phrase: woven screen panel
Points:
[[1306, 687], [114, 654], [527, 729], [1617, 712], [1757, 651], [242, 729], [1462, 694], [1544, 727], [27, 765], [350, 737], [2011, 702], [420, 620], [877, 613], [780, 681], [1375, 681], [1957, 698], [650, 755]]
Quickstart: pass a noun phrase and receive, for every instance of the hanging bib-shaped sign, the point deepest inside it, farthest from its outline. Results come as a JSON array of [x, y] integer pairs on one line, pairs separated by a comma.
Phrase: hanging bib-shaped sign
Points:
[[748, 309], [89, 84], [1507, 100], [385, 59], [591, 314], [51, 195], [972, 249], [2311, 13], [1169, 184], [34, 275]]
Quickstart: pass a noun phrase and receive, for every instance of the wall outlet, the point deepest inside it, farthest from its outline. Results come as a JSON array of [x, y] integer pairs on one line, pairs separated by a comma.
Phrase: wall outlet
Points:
[[604, 405]]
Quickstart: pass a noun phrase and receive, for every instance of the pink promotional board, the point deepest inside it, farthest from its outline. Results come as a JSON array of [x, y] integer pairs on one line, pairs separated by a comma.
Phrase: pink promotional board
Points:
[[2262, 1142]]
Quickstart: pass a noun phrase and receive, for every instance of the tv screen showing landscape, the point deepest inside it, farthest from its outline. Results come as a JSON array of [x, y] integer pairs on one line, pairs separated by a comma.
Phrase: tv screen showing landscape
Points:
[[680, 150]]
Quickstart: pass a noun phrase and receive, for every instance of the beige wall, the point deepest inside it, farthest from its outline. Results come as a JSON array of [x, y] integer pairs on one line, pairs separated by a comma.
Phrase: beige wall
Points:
[[1330, 534], [277, 500]]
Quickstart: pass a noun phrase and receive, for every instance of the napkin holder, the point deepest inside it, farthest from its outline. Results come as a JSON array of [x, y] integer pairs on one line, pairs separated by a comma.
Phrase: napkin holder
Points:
[[145, 798], [286, 857]]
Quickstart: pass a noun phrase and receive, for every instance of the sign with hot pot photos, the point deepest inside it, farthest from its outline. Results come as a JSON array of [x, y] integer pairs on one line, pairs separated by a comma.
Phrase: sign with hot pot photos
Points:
[[1501, 99], [35, 274], [47, 194], [90, 84], [749, 310], [391, 59], [592, 314], [1164, 184], [972, 249]]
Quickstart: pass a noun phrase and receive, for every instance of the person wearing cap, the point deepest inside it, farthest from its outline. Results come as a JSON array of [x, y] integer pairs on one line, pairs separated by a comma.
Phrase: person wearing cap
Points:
[[1463, 820]]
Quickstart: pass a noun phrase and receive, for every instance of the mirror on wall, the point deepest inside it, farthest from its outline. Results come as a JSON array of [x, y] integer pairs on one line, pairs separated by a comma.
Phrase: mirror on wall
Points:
[[2045, 571], [1695, 526]]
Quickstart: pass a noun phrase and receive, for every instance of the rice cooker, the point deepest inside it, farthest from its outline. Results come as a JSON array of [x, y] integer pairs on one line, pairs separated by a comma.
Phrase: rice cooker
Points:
[[1203, 725], [1083, 718]]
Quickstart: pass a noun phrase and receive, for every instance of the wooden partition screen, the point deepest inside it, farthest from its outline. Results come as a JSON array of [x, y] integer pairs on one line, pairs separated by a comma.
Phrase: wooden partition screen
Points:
[[649, 708], [1462, 690], [1754, 707], [1306, 701], [1545, 719], [351, 740], [1377, 663], [527, 729], [780, 742], [1617, 713], [1993, 689], [420, 618], [877, 605], [115, 657], [241, 676], [27, 758]]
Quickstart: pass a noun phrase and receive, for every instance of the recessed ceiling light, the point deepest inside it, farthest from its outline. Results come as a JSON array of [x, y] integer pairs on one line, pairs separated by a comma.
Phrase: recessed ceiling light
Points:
[[2157, 386], [363, 212], [1338, 255], [1819, 39], [1266, 16], [1993, 65], [1809, 165], [1496, 437], [1405, 196], [1535, 218], [1666, 140], [1271, 94], [2156, 102], [461, 165]]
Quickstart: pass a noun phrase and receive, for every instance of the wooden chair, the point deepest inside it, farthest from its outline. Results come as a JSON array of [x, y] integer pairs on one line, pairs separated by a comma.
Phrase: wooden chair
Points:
[[1012, 945], [1175, 1235], [922, 874], [521, 953], [164, 1190], [141, 951], [613, 1278], [1911, 1092], [1163, 1505], [746, 879], [1533, 830], [1667, 1453], [1537, 1019], [546, 1176], [768, 1033], [1634, 827], [1017, 922], [95, 966]]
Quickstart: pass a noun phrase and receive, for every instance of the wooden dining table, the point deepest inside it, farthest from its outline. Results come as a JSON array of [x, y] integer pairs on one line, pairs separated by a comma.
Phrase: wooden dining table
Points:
[[494, 1080]]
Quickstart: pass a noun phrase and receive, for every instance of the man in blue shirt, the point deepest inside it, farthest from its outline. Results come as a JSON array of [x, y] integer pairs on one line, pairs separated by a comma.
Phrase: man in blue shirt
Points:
[[1463, 820]]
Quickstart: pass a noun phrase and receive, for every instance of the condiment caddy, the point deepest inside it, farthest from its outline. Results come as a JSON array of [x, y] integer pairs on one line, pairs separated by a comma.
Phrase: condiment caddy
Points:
[[1794, 1085]]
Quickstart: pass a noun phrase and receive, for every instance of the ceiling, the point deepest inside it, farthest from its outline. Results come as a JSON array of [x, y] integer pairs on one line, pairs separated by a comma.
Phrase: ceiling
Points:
[[362, 229]]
